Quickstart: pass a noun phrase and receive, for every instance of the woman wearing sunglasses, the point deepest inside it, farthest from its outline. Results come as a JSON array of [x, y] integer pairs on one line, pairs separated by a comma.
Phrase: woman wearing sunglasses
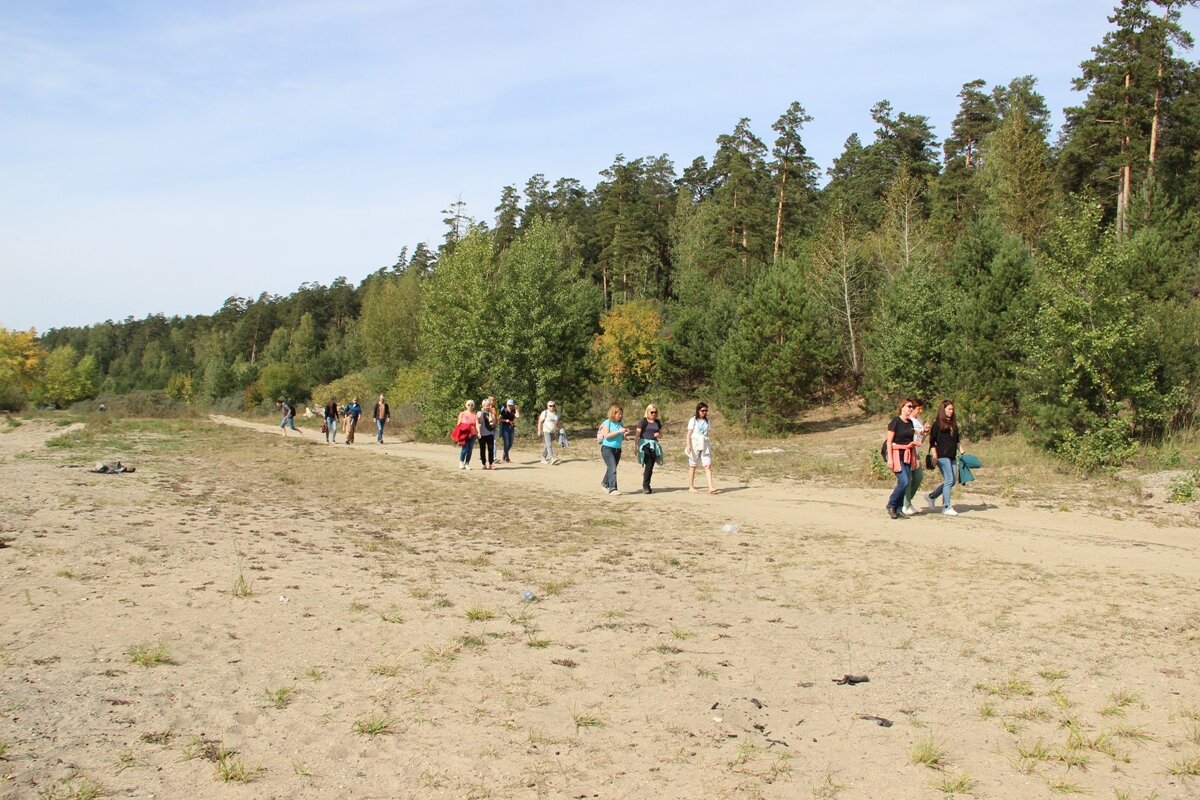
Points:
[[699, 448], [901, 455], [649, 431]]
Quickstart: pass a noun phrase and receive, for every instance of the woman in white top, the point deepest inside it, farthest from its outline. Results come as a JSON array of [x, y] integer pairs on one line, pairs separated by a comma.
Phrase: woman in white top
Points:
[[547, 424], [699, 448]]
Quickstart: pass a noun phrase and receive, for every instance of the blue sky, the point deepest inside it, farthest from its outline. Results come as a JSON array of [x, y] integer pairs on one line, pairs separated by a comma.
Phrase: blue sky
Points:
[[162, 156]]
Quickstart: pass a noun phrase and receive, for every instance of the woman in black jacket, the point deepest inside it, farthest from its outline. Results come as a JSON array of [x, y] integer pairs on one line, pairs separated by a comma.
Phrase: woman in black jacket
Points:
[[943, 448]]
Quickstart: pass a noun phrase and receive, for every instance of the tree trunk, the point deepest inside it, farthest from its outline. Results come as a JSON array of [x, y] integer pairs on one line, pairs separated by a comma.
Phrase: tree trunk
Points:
[[779, 217], [1126, 166]]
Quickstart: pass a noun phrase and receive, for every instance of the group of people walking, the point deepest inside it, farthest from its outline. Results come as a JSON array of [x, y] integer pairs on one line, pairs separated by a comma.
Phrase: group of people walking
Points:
[[480, 427], [902, 445], [649, 432], [346, 416]]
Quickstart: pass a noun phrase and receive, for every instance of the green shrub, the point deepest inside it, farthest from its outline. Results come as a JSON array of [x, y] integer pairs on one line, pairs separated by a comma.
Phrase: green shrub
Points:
[[1181, 490]]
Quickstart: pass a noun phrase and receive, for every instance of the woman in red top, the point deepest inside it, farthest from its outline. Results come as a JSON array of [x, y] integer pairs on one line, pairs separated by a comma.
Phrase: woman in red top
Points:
[[468, 417]]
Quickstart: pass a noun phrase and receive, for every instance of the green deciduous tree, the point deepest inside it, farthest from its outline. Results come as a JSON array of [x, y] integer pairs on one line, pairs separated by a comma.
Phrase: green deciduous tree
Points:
[[1089, 379]]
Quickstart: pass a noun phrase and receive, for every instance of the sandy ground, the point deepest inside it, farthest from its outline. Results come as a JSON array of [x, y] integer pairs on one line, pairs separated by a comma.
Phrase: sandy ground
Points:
[[350, 622]]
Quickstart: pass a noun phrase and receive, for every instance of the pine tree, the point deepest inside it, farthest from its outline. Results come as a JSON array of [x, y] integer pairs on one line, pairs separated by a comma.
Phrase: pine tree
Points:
[[794, 171]]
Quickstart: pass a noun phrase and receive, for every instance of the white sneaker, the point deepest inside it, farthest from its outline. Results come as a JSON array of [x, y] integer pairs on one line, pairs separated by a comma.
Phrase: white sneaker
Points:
[[554, 461], [544, 461], [466, 466], [908, 511], [949, 511], [461, 465], [614, 491], [929, 500]]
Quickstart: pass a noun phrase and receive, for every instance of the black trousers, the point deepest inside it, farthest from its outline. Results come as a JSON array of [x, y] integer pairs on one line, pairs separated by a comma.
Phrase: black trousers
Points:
[[648, 465]]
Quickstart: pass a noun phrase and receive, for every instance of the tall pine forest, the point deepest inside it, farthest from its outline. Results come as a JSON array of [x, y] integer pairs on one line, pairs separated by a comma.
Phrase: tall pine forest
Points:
[[1046, 281]]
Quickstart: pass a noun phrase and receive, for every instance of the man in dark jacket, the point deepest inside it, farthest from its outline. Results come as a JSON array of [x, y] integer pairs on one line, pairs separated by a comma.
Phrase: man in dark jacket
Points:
[[382, 415]]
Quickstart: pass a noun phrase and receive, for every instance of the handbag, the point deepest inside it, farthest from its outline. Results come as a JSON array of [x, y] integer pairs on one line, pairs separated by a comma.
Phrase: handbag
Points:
[[324, 427], [929, 461]]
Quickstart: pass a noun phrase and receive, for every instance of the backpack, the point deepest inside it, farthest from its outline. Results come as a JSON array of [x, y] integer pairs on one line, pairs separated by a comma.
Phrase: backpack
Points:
[[291, 411], [883, 449]]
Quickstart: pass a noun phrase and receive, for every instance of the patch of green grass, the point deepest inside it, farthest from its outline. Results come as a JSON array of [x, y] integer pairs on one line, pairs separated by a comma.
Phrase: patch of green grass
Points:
[[666, 650], [928, 752], [1118, 701], [585, 720], [281, 697], [472, 642], [232, 769], [301, 769], [1033, 714], [357, 608], [556, 587], [480, 614], [828, 788], [1059, 699], [959, 784], [157, 737], [442, 655], [149, 655], [1061, 786], [241, 586], [82, 788], [315, 674], [392, 615], [1053, 674], [3, 748], [537, 643], [388, 670], [1185, 767], [987, 710], [374, 724], [1012, 686], [683, 635], [64, 573], [1132, 733]]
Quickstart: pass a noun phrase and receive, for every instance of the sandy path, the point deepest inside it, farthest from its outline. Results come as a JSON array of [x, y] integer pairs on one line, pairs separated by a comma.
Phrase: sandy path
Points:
[[986, 525]]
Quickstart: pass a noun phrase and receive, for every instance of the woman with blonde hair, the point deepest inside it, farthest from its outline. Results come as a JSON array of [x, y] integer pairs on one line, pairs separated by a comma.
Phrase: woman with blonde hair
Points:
[[485, 427], [650, 453], [468, 422], [611, 436], [547, 424]]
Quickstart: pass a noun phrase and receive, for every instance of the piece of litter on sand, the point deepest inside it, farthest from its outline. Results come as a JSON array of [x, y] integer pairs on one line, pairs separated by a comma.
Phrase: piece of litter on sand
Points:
[[283, 598], [528, 596], [880, 721], [767, 451], [731, 527], [850, 680], [112, 468]]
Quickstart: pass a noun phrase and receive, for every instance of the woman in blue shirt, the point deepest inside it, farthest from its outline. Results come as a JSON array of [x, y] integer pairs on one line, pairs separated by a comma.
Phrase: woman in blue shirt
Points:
[[611, 435]]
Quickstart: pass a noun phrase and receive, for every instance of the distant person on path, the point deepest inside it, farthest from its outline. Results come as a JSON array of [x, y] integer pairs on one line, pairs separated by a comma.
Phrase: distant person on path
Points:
[[901, 455], [468, 424], [353, 412], [508, 425], [382, 415], [485, 427], [331, 421], [289, 417], [546, 426], [918, 472], [611, 436], [699, 447], [649, 432], [943, 448]]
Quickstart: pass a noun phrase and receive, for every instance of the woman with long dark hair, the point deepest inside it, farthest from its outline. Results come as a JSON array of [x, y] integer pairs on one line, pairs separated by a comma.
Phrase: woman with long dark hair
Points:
[[901, 455], [699, 448], [944, 440]]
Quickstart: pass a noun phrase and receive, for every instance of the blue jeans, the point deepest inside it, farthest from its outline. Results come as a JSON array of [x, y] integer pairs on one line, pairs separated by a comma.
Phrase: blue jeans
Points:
[[612, 457], [506, 435], [949, 468], [288, 422], [902, 479], [331, 424], [379, 431], [464, 455]]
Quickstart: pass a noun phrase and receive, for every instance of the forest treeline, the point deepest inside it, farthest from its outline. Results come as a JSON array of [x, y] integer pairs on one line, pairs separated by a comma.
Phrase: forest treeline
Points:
[[1047, 285]]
